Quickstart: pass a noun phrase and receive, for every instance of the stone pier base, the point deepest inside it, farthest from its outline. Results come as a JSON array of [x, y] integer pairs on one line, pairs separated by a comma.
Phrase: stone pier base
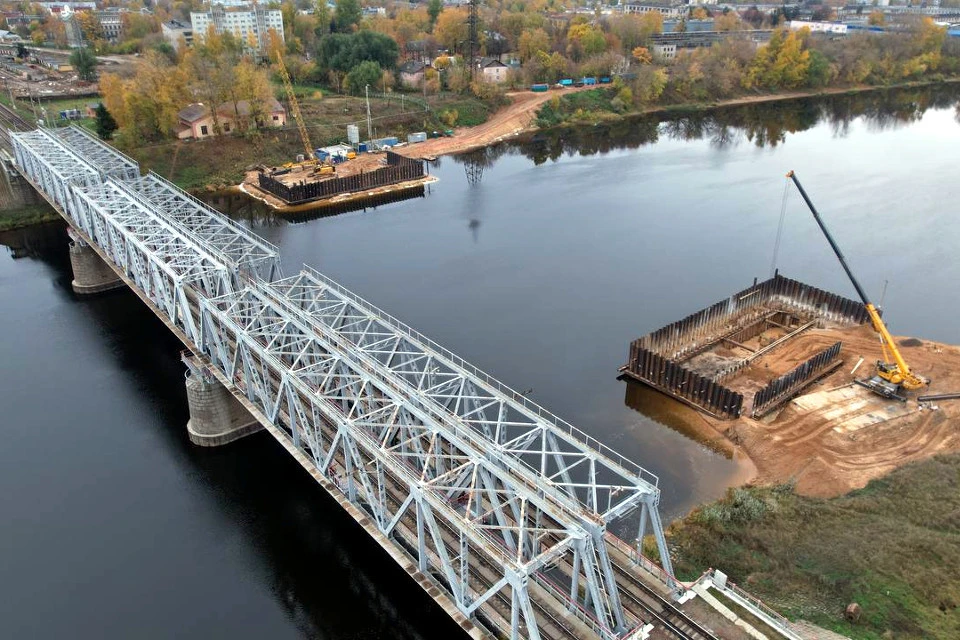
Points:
[[216, 417], [90, 273]]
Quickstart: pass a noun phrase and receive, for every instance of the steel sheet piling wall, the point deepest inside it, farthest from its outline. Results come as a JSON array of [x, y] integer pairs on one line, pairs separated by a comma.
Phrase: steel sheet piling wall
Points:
[[657, 358], [783, 387], [399, 169]]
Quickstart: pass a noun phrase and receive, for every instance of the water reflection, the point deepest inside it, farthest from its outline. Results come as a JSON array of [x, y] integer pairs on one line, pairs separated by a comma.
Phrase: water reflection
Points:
[[763, 125]]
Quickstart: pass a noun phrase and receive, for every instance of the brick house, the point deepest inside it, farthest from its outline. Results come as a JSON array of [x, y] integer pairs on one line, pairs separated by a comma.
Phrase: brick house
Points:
[[196, 120]]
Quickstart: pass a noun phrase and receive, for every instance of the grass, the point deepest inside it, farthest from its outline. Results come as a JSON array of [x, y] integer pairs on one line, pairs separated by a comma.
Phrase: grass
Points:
[[216, 163], [26, 216], [583, 107], [892, 547]]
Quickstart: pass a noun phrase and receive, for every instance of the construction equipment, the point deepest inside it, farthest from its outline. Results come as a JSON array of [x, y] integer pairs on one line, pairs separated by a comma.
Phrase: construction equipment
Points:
[[891, 377], [295, 107]]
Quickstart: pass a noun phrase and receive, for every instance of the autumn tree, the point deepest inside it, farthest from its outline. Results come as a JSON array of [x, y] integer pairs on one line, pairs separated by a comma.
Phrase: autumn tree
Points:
[[876, 18], [532, 42], [451, 29], [642, 55], [781, 64]]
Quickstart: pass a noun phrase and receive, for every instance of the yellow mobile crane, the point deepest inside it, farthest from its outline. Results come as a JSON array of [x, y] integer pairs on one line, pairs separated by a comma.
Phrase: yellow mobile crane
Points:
[[295, 107], [891, 377]]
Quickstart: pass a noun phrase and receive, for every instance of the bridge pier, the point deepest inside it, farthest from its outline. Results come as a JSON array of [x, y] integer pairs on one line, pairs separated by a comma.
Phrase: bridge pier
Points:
[[90, 273], [216, 417]]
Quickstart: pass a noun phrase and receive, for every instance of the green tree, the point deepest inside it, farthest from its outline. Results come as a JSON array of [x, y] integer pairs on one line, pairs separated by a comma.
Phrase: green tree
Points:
[[342, 52], [347, 16], [106, 125], [85, 63], [434, 7], [366, 73]]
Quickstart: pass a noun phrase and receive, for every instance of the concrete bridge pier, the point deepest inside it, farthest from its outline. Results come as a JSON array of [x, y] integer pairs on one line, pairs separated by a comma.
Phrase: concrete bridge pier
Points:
[[90, 273], [216, 416]]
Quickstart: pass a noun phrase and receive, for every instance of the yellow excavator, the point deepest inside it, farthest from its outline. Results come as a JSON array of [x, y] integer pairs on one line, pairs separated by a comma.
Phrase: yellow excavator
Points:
[[891, 378]]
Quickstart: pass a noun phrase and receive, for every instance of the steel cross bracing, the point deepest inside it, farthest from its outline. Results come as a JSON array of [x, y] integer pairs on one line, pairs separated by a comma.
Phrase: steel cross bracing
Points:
[[560, 459], [235, 246], [51, 167], [495, 499], [402, 466], [102, 156]]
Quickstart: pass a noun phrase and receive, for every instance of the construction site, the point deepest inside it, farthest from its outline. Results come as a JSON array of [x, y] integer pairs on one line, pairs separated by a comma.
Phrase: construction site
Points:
[[338, 174], [796, 378]]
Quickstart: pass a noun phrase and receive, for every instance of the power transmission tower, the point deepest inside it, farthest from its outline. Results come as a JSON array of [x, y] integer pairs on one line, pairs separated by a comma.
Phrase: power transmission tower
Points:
[[473, 22]]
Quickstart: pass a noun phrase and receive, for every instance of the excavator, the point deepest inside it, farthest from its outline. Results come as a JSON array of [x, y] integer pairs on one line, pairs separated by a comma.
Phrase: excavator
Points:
[[891, 378]]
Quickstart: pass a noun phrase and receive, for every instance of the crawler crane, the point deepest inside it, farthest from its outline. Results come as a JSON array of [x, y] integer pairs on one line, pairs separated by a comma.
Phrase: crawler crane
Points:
[[891, 378]]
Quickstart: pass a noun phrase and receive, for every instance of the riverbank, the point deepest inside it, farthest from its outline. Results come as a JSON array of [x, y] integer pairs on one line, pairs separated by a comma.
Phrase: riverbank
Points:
[[27, 216], [891, 548], [521, 117]]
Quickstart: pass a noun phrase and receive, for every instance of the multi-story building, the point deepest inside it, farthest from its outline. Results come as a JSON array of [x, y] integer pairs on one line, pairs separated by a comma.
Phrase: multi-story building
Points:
[[111, 24], [174, 30], [249, 25]]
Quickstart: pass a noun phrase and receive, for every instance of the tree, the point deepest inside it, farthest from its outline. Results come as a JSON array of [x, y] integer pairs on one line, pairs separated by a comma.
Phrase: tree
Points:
[[106, 125], [876, 18], [451, 29], [342, 52], [347, 16], [531, 42], [642, 55], [434, 7], [21, 50], [699, 13], [85, 63], [365, 73]]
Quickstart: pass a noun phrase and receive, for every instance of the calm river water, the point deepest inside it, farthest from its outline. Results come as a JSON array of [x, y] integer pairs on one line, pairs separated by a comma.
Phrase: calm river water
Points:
[[568, 247]]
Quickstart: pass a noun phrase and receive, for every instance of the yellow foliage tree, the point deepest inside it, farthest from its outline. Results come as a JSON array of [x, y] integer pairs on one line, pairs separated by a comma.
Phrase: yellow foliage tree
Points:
[[642, 55]]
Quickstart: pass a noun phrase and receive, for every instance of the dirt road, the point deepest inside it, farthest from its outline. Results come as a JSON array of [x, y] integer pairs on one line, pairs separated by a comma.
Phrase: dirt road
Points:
[[506, 123]]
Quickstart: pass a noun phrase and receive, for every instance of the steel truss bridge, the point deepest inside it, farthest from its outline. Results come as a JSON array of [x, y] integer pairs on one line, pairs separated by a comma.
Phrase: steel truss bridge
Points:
[[500, 510]]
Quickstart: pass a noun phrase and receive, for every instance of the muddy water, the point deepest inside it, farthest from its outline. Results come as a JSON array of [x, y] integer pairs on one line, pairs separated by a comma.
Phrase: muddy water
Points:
[[540, 272]]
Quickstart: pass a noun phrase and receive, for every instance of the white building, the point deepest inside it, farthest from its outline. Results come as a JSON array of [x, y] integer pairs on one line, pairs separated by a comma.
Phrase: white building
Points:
[[668, 9], [249, 25], [174, 30], [818, 27]]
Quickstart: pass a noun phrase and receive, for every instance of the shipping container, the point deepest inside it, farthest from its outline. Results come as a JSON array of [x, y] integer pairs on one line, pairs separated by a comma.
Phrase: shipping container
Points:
[[362, 147], [605, 80], [420, 136], [540, 88], [589, 81], [566, 82]]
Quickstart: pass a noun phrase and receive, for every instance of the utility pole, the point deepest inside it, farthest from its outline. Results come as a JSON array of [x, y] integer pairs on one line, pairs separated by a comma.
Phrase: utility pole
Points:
[[369, 121]]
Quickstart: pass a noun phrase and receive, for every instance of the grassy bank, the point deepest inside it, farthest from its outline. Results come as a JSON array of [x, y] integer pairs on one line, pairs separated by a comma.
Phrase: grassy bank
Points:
[[26, 216], [892, 547], [195, 164]]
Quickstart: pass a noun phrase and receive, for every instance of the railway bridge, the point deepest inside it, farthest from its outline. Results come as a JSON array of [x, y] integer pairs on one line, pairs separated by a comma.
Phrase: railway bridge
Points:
[[501, 511]]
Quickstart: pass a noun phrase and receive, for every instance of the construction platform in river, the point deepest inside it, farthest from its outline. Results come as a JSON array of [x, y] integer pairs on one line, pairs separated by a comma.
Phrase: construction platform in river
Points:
[[772, 369]]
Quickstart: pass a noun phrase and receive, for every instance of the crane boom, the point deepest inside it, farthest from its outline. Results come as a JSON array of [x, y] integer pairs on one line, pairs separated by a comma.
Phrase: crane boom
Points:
[[294, 106], [899, 371]]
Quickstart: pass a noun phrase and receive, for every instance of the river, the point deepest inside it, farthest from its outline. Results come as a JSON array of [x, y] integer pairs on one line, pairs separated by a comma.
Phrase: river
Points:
[[570, 245]]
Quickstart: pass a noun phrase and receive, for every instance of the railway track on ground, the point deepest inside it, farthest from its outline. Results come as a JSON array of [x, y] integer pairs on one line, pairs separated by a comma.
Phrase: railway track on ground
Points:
[[668, 615], [10, 120]]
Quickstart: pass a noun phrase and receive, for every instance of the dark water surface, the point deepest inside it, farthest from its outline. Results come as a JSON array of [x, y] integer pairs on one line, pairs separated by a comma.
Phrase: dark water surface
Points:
[[541, 273]]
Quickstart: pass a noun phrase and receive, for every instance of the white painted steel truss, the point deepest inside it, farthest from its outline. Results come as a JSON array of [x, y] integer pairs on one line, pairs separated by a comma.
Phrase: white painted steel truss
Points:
[[234, 245], [102, 156], [488, 493], [562, 461]]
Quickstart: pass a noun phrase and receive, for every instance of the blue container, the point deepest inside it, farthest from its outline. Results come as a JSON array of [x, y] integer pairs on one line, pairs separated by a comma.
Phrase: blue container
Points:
[[605, 80], [589, 81], [362, 147], [566, 82]]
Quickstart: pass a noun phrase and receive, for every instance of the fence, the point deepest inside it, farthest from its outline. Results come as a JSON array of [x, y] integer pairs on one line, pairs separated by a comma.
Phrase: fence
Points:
[[398, 169], [676, 380], [786, 385]]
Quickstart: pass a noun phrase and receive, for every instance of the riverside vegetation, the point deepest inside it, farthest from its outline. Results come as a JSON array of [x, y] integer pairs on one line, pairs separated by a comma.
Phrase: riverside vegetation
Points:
[[892, 547]]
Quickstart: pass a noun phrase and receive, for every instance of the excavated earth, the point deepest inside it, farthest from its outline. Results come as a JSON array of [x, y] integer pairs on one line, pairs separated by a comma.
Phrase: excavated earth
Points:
[[837, 436]]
